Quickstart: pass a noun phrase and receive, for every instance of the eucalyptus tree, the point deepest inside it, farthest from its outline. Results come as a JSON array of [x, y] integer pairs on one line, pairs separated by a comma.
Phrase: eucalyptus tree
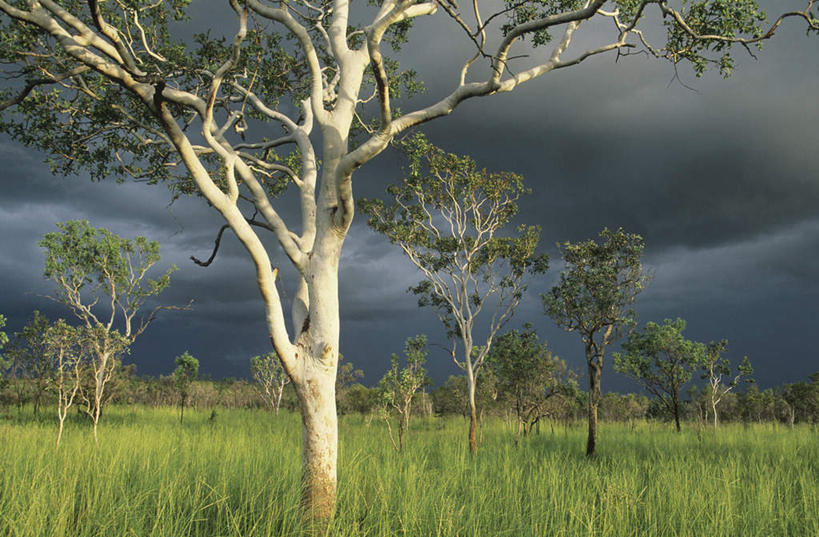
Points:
[[103, 279], [398, 386], [68, 345], [528, 375], [594, 296], [107, 86], [187, 369], [717, 370], [447, 216], [662, 361], [270, 378]]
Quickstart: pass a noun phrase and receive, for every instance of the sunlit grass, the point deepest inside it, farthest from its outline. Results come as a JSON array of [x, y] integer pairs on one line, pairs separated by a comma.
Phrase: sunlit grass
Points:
[[239, 474]]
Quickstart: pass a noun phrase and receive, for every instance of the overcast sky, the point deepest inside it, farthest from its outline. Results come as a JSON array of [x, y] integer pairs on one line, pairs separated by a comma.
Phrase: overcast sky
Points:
[[721, 179]]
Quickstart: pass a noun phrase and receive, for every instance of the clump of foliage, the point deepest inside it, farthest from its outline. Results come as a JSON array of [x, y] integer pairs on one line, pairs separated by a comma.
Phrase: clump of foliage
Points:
[[528, 375], [187, 369], [400, 384], [662, 361]]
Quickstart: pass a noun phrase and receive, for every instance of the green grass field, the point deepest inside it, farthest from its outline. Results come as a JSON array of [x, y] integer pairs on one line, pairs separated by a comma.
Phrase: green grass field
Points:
[[239, 475]]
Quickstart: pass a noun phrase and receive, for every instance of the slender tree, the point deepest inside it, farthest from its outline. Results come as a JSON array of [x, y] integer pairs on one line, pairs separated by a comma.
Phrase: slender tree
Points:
[[528, 375], [594, 297], [662, 361], [270, 379], [108, 87], [68, 345], [717, 370], [187, 369], [398, 387], [103, 279], [447, 216]]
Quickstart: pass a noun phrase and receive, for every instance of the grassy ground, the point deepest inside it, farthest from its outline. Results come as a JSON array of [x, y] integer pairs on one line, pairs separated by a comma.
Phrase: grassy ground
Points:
[[239, 474]]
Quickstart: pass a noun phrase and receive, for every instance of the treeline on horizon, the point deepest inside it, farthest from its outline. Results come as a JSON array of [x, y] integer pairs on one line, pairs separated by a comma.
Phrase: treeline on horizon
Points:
[[789, 403], [512, 375]]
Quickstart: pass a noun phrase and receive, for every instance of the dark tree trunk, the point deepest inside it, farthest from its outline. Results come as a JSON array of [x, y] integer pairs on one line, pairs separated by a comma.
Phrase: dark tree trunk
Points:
[[595, 370], [677, 411]]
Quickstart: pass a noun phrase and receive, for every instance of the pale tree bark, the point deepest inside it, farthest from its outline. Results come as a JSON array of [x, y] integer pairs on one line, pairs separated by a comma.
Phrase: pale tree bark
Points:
[[67, 379], [473, 409]]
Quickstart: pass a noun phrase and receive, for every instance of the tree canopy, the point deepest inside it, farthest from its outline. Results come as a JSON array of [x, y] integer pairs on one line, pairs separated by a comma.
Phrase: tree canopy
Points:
[[102, 277], [598, 286], [448, 216], [529, 375], [187, 369], [661, 360]]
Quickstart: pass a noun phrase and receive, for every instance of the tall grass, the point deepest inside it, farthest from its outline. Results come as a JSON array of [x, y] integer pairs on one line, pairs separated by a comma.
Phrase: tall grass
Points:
[[238, 475]]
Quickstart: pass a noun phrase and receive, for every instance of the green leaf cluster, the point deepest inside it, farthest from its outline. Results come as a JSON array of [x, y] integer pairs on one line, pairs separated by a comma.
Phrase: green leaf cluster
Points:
[[400, 383], [448, 213], [528, 374], [598, 285], [531, 10], [83, 259], [726, 18], [187, 369], [660, 358]]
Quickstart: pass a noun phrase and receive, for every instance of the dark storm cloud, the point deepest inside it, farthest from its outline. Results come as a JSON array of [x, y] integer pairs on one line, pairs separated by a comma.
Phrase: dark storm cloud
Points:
[[722, 182]]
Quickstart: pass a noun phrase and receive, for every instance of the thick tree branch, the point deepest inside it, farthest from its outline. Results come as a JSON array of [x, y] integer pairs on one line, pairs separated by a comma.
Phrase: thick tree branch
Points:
[[309, 50]]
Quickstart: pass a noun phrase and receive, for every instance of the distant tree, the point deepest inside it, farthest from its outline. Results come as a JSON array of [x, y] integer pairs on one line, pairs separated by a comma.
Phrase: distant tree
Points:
[[14, 373], [802, 400], [346, 376], [528, 375], [120, 384], [756, 405], [451, 397], [362, 399], [35, 363], [623, 407], [594, 298], [446, 216], [400, 384], [68, 346], [270, 378], [187, 369], [662, 361], [717, 369], [4, 364], [103, 279], [3, 337]]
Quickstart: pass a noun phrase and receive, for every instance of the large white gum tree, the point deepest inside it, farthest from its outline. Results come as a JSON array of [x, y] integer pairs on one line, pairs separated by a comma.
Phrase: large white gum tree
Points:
[[107, 87]]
